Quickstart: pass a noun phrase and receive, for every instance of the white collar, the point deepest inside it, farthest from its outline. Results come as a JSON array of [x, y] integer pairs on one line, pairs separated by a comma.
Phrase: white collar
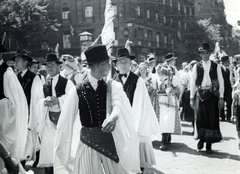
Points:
[[23, 72]]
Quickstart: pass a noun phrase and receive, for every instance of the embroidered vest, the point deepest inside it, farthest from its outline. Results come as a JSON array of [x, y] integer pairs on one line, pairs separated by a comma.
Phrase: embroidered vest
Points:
[[92, 104], [26, 82], [59, 88], [200, 72], [130, 85], [3, 69]]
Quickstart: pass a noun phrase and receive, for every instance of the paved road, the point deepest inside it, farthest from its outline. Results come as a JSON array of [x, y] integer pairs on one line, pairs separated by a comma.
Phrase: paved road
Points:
[[183, 158]]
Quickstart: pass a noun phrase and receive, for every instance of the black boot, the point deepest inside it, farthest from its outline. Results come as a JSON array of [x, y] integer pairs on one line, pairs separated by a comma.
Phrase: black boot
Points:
[[164, 142], [48, 170], [169, 138], [209, 148], [37, 159], [200, 144]]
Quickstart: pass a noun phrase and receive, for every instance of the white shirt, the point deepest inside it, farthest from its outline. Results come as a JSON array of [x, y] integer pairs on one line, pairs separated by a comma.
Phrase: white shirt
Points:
[[23, 72], [124, 79], [206, 78], [93, 81]]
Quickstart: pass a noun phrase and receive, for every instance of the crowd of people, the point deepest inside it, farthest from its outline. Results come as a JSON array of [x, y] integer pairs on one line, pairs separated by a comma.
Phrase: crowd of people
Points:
[[96, 113]]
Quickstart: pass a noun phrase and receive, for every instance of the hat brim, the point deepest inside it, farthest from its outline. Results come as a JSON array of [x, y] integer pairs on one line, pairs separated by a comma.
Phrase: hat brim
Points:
[[118, 58], [92, 63], [205, 51], [167, 60]]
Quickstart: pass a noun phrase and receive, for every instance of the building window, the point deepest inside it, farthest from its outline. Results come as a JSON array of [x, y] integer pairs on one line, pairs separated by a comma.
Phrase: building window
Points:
[[170, 2], [172, 41], [157, 16], [165, 41], [65, 14], [114, 7], [148, 13], [44, 46], [185, 9], [171, 21], [158, 39], [88, 12], [140, 32], [149, 34], [179, 24], [199, 6], [138, 10], [185, 25], [213, 3], [66, 41], [190, 10], [179, 6], [164, 19], [164, 1]]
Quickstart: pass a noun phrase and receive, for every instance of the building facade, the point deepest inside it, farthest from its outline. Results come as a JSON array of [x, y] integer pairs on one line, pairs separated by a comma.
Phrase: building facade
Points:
[[153, 25]]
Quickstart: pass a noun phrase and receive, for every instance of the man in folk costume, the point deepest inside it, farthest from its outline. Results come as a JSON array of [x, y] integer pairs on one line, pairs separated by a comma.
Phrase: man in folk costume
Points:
[[208, 85], [55, 91], [145, 120], [227, 88], [13, 117], [108, 144], [32, 87]]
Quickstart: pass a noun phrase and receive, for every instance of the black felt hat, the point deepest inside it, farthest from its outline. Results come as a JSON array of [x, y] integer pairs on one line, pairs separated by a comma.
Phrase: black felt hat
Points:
[[51, 57], [204, 47], [224, 58], [23, 54], [96, 53], [169, 56], [123, 52]]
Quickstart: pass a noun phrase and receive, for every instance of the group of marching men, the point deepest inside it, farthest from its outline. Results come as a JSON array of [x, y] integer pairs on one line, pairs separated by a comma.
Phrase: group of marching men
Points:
[[96, 114]]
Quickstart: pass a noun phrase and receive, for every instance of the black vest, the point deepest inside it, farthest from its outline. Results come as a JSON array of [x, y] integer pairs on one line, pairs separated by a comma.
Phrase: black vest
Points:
[[26, 82], [92, 104], [59, 88], [227, 83], [3, 69], [130, 85], [200, 72]]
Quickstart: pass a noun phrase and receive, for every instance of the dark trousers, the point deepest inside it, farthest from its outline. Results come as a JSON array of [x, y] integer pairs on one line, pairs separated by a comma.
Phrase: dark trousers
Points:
[[48, 170], [228, 100]]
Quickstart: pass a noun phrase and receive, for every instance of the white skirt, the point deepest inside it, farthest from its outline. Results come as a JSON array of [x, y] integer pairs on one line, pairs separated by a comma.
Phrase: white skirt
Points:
[[89, 161]]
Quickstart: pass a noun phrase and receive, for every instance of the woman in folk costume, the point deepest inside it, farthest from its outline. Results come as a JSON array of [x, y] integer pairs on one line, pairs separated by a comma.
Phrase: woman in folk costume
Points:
[[187, 113], [13, 116], [70, 68], [166, 85], [144, 72], [145, 120], [107, 142]]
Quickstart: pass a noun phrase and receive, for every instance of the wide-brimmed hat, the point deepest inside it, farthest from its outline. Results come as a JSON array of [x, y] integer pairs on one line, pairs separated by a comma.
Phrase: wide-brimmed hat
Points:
[[150, 58], [204, 47], [96, 53], [51, 57], [23, 54], [224, 58], [169, 56], [123, 53]]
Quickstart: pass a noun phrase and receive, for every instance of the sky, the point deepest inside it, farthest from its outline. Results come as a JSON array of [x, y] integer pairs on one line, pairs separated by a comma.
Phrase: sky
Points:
[[232, 11]]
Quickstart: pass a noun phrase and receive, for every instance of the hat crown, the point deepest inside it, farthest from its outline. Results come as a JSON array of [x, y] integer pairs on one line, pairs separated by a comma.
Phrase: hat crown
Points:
[[22, 52], [51, 57], [224, 58], [122, 52], [204, 47], [96, 53], [169, 56]]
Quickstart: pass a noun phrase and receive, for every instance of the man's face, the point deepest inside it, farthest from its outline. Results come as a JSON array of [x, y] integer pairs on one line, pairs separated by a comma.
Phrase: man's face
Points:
[[172, 62], [103, 68], [152, 64], [123, 65], [34, 68], [20, 63], [205, 55], [226, 63], [52, 68]]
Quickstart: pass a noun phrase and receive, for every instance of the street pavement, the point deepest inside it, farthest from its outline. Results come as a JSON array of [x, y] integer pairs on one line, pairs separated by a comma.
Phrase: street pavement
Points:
[[182, 156]]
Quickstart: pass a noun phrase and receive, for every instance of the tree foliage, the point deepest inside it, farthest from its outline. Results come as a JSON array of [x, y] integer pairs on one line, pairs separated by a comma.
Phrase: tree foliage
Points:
[[212, 30], [26, 21]]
